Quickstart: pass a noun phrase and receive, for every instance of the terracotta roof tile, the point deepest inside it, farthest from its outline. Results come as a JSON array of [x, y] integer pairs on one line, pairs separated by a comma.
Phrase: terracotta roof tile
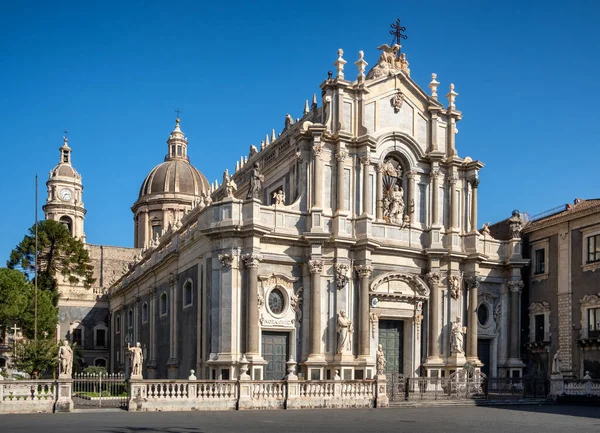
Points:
[[571, 211]]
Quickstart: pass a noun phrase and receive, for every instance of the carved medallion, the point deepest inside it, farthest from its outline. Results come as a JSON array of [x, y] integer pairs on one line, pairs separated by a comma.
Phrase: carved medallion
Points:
[[397, 101]]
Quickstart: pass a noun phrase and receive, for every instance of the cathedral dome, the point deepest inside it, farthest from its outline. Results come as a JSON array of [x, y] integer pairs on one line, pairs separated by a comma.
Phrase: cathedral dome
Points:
[[174, 176]]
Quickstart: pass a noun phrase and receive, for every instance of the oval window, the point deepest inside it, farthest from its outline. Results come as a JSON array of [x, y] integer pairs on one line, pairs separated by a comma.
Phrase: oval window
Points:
[[276, 301], [483, 314]]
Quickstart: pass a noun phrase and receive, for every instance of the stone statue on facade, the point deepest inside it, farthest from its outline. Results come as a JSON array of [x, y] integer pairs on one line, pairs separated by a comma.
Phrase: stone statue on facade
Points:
[[345, 330], [230, 185], [279, 197], [393, 205], [387, 62], [137, 359], [454, 282], [556, 363], [485, 230], [458, 331], [65, 357], [380, 359], [515, 223], [341, 275], [256, 182]]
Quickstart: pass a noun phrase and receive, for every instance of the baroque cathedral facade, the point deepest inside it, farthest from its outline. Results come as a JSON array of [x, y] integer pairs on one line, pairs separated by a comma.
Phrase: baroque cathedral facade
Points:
[[354, 227]]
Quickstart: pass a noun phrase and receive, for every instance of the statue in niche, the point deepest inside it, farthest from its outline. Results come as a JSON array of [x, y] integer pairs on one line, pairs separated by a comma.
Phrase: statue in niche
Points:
[[65, 357], [396, 205], [345, 330], [381, 361], [279, 197], [256, 182], [458, 331], [137, 358]]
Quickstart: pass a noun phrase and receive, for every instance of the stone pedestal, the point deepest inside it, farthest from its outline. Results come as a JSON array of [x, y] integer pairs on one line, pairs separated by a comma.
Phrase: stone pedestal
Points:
[[557, 385], [381, 398], [137, 394], [64, 402]]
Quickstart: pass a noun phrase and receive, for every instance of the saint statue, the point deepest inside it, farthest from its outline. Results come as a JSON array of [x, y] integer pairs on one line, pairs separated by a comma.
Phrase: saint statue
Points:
[[345, 329], [65, 357], [137, 359], [396, 205], [381, 361], [256, 182], [556, 363], [279, 197], [458, 331]]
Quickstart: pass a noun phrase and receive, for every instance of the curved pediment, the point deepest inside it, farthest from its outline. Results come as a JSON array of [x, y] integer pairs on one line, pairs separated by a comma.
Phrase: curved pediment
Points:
[[404, 285]]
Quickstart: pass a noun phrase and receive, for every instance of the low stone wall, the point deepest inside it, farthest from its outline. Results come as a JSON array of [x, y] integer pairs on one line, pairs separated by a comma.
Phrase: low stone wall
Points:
[[28, 396], [182, 395]]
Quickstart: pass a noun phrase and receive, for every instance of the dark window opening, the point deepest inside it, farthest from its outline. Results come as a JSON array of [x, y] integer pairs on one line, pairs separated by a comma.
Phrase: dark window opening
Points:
[[101, 337], [539, 323], [593, 249], [594, 323], [77, 337], [540, 261], [187, 293]]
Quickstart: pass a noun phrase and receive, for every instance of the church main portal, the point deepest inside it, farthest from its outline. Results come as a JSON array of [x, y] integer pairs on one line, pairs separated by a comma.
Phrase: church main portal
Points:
[[275, 352], [391, 337]]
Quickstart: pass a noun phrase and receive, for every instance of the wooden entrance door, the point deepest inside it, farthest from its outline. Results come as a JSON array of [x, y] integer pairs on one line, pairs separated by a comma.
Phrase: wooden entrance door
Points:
[[275, 352], [483, 352], [391, 337]]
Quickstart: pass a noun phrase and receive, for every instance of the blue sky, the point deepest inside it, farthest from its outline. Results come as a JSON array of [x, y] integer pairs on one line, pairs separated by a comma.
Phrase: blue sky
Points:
[[113, 73]]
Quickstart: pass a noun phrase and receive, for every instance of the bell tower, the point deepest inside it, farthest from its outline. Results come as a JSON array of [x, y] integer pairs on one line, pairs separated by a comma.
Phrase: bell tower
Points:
[[65, 194]]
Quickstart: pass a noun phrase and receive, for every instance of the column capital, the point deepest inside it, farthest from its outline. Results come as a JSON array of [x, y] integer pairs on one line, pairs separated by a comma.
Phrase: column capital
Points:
[[315, 266], [474, 181], [317, 148], [433, 279], [341, 155], [226, 260], [516, 286], [472, 282], [411, 174], [152, 291], [365, 159], [172, 280], [435, 174], [453, 179], [251, 260], [364, 271]]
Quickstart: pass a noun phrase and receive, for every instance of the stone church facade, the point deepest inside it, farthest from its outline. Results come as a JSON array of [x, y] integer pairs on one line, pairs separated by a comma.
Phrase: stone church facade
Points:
[[355, 226]]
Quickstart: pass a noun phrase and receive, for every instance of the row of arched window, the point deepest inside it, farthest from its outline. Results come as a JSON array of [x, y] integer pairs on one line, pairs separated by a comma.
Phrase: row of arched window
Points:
[[187, 301]]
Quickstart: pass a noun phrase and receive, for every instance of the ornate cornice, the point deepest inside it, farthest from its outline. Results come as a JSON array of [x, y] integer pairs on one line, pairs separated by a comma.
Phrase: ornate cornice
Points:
[[539, 307], [412, 280]]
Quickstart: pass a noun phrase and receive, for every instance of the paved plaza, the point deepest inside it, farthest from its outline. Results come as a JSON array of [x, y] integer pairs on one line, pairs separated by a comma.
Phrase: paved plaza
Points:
[[522, 419]]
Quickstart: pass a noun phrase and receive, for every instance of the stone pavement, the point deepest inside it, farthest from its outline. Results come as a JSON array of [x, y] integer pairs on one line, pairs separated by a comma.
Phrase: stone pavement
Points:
[[521, 419]]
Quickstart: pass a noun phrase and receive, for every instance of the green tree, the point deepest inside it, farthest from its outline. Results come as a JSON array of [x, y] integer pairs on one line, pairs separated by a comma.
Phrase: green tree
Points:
[[17, 305], [36, 358], [59, 253]]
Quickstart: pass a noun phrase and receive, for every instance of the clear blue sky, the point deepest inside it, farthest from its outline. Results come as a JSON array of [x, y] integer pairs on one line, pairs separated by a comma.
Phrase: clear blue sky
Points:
[[113, 73]]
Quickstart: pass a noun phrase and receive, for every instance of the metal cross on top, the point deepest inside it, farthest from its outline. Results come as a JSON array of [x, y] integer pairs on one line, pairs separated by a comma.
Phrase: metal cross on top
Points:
[[178, 111], [396, 32]]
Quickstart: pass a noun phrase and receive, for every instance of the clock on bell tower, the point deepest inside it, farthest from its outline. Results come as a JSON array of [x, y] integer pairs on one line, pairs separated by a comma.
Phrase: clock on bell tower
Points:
[[65, 194]]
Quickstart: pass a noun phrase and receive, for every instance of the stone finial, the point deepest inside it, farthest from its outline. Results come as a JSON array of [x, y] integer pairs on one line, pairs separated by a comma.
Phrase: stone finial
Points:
[[262, 145], [361, 64], [237, 166], [306, 110], [273, 137], [451, 95], [313, 105], [192, 376], [433, 85], [267, 142], [339, 64]]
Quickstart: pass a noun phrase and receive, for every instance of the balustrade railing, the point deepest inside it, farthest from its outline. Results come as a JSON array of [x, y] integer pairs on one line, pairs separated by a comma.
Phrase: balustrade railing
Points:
[[23, 390], [582, 387]]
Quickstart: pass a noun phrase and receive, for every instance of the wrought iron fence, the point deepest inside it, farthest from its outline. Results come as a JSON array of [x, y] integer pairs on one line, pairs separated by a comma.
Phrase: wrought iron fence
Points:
[[100, 391]]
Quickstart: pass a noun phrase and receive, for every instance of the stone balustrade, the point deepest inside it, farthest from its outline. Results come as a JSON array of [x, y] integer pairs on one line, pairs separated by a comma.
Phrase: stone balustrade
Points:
[[180, 395], [582, 387], [27, 396]]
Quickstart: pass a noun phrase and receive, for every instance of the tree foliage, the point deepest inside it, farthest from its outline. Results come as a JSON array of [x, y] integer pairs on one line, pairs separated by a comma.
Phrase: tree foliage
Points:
[[17, 305], [59, 254], [36, 358]]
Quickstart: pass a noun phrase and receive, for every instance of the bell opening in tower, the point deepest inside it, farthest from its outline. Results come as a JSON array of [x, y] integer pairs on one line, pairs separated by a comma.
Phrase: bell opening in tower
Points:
[[68, 223]]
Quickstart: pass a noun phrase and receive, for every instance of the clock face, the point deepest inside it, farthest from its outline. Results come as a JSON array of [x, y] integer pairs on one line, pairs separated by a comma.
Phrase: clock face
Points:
[[65, 194], [276, 301]]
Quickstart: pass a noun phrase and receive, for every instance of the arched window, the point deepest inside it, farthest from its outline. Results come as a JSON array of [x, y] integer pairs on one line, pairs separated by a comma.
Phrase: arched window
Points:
[[145, 312], [163, 304], [67, 222], [100, 362], [117, 324], [130, 319], [188, 296]]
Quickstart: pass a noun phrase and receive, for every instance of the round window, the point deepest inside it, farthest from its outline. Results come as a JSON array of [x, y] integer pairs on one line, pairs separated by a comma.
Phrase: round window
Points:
[[276, 301], [483, 314]]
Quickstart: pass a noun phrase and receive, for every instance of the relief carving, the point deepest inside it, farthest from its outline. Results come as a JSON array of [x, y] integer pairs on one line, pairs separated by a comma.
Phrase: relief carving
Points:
[[341, 275]]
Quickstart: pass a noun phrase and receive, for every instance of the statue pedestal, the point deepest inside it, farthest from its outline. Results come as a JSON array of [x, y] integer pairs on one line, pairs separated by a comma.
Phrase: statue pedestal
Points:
[[64, 403], [557, 385], [381, 399], [456, 360]]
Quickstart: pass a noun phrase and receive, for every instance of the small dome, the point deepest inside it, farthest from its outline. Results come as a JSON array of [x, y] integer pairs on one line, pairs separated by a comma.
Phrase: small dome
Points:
[[65, 170], [174, 176]]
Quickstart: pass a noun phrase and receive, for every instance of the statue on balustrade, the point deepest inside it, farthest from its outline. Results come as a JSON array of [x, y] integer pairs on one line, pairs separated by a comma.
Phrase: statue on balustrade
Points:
[[137, 359], [65, 357]]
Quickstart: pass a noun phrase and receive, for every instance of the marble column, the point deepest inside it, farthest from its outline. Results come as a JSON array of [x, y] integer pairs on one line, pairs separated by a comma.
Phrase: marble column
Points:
[[364, 272], [316, 267], [515, 288], [433, 279], [474, 185], [379, 193], [340, 157], [318, 198], [472, 284], [366, 192], [152, 324], [410, 194], [435, 216], [173, 361], [453, 202], [251, 261]]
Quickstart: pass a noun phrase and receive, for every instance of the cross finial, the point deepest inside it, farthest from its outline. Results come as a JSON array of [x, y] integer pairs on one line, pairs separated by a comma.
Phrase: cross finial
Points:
[[178, 111], [397, 34]]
